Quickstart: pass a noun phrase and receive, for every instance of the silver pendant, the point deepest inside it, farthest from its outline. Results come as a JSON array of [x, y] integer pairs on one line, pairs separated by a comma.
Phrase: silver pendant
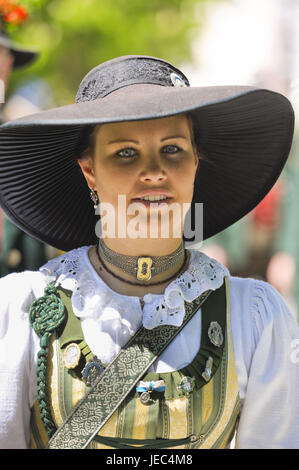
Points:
[[145, 389], [215, 334], [208, 370], [145, 397]]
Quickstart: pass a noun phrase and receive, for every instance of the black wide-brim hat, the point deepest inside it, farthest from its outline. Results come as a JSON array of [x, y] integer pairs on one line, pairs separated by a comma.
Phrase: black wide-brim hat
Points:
[[22, 57], [246, 134]]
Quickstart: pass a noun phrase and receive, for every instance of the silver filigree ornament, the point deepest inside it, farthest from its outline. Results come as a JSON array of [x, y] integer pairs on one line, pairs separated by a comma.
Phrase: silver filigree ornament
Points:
[[187, 384], [215, 334]]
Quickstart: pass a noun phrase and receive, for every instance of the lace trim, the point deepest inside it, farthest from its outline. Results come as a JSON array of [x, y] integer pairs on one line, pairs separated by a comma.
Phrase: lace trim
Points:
[[108, 77], [92, 298]]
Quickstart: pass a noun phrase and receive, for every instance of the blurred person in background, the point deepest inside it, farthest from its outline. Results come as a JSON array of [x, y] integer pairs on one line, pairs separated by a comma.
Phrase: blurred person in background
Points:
[[283, 266], [264, 244], [18, 251]]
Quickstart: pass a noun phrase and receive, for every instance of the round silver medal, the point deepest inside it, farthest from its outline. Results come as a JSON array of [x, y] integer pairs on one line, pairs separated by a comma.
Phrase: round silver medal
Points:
[[145, 397], [71, 356]]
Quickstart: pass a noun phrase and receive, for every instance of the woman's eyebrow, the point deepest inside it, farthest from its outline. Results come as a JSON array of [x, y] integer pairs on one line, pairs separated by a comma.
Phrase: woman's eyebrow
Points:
[[117, 141], [174, 137]]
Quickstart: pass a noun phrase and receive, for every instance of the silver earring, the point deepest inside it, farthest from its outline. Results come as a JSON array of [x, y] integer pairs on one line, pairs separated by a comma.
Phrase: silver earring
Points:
[[94, 197]]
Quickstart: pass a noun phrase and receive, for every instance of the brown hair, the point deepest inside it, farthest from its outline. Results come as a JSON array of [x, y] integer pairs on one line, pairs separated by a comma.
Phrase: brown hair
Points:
[[87, 141]]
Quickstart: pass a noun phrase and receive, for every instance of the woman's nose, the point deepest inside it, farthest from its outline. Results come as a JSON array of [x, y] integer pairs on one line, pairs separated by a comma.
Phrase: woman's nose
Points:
[[153, 171]]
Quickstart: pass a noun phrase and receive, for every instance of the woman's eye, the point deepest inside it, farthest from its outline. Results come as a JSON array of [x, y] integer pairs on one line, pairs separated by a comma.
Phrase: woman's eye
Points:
[[171, 149], [126, 153]]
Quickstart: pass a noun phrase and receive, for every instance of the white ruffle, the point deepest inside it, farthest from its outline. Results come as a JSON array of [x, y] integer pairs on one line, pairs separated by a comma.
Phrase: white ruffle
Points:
[[93, 299]]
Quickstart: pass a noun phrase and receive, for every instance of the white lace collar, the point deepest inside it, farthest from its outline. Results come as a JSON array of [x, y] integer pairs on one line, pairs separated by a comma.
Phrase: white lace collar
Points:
[[93, 298]]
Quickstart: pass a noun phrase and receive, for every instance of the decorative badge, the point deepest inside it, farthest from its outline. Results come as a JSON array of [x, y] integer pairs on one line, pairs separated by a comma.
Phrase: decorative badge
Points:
[[177, 80], [71, 356], [145, 397], [215, 334], [92, 371], [208, 370], [145, 388], [187, 384]]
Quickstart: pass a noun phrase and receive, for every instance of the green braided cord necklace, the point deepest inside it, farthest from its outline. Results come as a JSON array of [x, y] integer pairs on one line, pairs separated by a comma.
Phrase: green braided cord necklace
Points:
[[46, 314]]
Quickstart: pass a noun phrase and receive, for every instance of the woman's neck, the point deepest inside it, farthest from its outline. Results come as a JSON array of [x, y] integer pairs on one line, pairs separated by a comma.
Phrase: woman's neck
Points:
[[121, 282], [143, 246]]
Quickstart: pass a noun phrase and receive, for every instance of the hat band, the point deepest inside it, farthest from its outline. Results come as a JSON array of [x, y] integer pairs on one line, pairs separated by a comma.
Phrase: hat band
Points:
[[103, 80]]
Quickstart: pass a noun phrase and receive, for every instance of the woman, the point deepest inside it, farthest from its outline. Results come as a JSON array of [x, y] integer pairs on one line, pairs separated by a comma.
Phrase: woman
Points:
[[136, 339]]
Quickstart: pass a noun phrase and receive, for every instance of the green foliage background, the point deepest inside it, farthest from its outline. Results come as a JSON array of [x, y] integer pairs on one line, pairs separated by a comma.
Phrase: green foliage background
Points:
[[75, 35]]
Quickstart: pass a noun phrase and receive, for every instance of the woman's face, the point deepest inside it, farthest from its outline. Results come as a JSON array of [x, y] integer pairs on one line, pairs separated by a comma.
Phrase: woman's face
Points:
[[143, 158]]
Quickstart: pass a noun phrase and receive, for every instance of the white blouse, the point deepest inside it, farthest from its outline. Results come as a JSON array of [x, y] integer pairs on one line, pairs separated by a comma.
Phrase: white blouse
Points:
[[265, 339]]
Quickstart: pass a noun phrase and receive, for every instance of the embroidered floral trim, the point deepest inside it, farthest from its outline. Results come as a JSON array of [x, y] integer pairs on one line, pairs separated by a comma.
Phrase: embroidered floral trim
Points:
[[106, 78], [93, 299]]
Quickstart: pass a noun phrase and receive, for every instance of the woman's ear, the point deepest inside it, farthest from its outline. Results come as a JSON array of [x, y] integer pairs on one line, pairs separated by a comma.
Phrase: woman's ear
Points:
[[196, 162], [87, 168]]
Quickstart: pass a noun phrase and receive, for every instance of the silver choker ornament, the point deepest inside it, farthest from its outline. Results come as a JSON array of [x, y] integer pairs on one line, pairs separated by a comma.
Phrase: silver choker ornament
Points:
[[141, 267]]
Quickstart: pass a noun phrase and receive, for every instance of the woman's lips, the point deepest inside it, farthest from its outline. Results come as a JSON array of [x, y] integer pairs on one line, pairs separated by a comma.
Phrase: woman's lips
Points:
[[157, 202], [153, 203], [154, 192]]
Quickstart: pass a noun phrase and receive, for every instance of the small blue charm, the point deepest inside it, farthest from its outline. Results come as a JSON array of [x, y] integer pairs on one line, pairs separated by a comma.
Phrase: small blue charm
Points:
[[92, 371], [145, 388]]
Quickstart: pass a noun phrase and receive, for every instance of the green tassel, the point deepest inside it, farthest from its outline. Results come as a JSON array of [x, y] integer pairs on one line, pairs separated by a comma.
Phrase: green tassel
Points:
[[46, 314]]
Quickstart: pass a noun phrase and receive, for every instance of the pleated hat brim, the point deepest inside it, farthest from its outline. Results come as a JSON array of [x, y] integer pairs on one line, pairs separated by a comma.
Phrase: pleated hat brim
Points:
[[246, 134]]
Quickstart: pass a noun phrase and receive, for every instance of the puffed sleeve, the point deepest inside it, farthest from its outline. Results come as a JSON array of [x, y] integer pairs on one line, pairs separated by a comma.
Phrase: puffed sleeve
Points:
[[268, 369], [18, 346]]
